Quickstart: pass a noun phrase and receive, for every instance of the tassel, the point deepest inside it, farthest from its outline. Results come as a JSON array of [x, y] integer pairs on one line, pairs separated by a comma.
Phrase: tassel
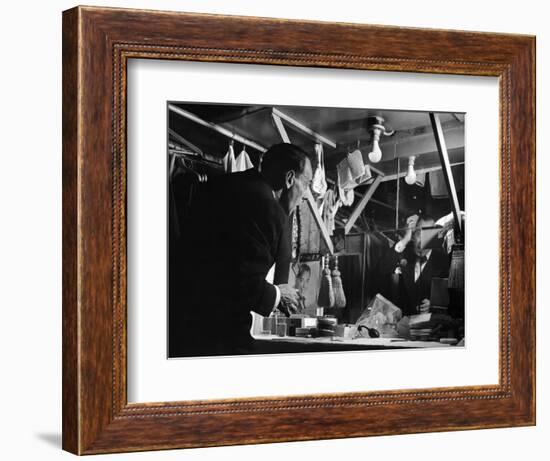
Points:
[[326, 295], [337, 288], [456, 271]]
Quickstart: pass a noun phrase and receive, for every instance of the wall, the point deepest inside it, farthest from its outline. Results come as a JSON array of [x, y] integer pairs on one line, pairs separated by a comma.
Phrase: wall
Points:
[[30, 243]]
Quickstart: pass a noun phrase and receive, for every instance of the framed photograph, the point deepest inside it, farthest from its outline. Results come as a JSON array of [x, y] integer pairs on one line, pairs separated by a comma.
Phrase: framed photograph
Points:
[[279, 230]]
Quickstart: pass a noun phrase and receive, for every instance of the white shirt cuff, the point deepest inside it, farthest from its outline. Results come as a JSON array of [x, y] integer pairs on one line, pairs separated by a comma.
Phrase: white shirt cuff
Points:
[[277, 296], [399, 247]]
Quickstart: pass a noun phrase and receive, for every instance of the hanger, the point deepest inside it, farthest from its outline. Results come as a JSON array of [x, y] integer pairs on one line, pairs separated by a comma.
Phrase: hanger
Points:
[[199, 177]]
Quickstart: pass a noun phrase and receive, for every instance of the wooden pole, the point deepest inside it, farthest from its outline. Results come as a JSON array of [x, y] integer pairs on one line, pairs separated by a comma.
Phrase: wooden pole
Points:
[[446, 166], [296, 124], [362, 203], [280, 128], [319, 221]]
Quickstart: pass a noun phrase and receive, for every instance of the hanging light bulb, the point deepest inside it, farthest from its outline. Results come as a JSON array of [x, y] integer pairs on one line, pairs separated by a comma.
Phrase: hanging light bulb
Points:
[[375, 155], [410, 179], [375, 124]]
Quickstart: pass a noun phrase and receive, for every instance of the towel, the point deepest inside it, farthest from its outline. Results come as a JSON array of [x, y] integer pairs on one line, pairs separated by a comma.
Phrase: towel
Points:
[[229, 164], [242, 162], [319, 182], [356, 165]]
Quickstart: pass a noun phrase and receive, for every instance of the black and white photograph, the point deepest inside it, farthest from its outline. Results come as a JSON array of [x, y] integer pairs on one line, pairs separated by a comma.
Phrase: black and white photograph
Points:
[[275, 230], [298, 229]]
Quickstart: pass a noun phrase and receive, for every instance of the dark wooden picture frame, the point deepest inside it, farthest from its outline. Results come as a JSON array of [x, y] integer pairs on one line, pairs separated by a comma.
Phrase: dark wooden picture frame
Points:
[[97, 44]]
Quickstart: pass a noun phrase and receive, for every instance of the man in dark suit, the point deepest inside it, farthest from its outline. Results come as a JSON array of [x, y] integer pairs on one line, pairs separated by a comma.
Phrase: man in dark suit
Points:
[[237, 230], [407, 269]]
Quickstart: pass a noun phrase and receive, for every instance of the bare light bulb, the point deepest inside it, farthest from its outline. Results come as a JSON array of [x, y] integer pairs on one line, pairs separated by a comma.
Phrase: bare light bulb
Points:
[[376, 154], [410, 179]]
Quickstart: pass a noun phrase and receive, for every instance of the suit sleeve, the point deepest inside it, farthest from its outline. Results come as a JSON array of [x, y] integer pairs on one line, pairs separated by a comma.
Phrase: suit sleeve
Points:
[[260, 244], [284, 254]]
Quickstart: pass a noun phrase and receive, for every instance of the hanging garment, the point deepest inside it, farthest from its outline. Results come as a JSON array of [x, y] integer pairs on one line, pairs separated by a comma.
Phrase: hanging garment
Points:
[[345, 183], [356, 164], [183, 184], [242, 162], [319, 182], [345, 178], [447, 222], [331, 205], [349, 196], [345, 196], [325, 214], [438, 188], [366, 176], [456, 271], [420, 179], [229, 164]]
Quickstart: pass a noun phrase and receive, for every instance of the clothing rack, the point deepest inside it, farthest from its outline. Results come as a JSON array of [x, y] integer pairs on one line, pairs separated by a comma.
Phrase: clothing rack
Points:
[[189, 156], [218, 128]]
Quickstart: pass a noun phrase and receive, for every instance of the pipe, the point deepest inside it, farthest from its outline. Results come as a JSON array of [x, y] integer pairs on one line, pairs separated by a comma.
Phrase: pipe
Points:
[[217, 128]]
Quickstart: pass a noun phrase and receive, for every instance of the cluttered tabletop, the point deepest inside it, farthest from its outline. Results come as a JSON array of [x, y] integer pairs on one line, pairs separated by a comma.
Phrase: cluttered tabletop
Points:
[[381, 327]]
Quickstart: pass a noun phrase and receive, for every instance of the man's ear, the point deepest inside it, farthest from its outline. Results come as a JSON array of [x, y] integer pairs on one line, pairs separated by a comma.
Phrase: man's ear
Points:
[[290, 177]]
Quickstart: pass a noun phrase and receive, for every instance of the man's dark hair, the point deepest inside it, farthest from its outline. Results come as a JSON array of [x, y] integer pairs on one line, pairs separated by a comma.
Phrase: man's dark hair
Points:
[[279, 159], [303, 269], [426, 217]]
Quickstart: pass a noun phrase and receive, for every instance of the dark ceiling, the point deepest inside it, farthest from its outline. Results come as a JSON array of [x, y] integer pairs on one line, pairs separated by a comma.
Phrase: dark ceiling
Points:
[[346, 127]]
